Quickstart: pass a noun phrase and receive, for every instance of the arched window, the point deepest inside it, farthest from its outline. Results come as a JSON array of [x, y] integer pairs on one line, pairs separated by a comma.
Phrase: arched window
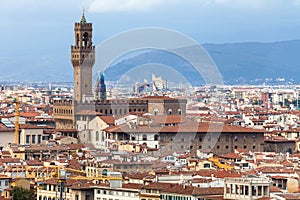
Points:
[[155, 111], [97, 135], [179, 111], [144, 137], [156, 137], [170, 112]]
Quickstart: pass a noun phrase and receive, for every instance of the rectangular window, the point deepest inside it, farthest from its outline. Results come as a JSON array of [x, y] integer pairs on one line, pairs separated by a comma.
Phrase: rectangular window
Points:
[[27, 139], [39, 139], [227, 138], [33, 139], [45, 138]]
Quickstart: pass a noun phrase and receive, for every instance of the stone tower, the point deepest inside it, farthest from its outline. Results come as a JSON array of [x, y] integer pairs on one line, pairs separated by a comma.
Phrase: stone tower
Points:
[[83, 59]]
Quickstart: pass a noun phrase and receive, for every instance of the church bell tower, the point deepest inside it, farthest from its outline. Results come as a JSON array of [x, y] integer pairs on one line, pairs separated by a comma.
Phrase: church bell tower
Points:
[[83, 59]]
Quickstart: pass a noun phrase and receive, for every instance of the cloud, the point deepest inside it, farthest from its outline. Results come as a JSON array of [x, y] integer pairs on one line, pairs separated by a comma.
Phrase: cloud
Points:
[[297, 2], [124, 5], [142, 5]]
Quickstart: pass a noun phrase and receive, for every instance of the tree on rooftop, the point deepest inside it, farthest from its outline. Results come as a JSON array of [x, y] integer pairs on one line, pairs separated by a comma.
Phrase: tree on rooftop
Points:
[[19, 193]]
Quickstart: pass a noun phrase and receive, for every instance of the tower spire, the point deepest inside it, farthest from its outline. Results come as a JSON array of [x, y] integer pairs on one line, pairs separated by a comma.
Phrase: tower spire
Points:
[[83, 20]]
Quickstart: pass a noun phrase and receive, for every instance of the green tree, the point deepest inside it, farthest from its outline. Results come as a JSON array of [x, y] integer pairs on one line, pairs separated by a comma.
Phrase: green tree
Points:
[[19, 193]]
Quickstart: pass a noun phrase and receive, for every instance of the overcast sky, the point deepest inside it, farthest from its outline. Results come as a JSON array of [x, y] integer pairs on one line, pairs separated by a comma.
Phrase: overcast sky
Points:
[[216, 21], [41, 27]]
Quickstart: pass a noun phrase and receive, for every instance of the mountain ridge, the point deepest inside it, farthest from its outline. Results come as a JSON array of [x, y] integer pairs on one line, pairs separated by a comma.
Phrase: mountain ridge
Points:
[[238, 63]]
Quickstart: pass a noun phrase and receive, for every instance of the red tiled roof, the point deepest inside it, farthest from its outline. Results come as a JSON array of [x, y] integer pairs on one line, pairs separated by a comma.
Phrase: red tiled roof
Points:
[[187, 127], [231, 156], [168, 119], [29, 114], [30, 126], [140, 176], [76, 146], [108, 119]]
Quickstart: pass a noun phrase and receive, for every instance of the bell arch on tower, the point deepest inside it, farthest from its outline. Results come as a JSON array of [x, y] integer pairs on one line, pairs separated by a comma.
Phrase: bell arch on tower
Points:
[[85, 39]]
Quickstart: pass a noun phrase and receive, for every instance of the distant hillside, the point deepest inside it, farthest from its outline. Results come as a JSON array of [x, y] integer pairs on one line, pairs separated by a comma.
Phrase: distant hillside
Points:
[[240, 63]]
